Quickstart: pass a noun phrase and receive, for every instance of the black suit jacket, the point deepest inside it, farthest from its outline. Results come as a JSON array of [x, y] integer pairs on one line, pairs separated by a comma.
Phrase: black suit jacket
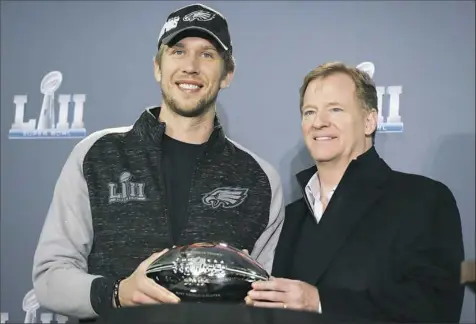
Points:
[[388, 246]]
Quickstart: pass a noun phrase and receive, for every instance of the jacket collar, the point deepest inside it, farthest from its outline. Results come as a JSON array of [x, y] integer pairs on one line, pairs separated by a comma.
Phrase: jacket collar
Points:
[[359, 190], [151, 130], [365, 162]]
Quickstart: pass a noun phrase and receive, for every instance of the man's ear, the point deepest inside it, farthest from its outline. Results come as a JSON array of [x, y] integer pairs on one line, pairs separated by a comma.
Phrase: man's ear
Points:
[[157, 72], [226, 81], [371, 120]]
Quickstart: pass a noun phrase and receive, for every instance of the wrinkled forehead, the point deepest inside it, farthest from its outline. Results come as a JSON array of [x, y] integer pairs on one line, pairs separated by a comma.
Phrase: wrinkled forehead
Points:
[[340, 82], [332, 89], [189, 36]]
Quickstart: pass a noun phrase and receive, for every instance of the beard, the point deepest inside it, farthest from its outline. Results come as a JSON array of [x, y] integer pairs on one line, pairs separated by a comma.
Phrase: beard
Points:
[[203, 105]]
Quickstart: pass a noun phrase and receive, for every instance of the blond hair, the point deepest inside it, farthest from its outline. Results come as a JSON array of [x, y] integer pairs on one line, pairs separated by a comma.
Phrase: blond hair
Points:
[[365, 90]]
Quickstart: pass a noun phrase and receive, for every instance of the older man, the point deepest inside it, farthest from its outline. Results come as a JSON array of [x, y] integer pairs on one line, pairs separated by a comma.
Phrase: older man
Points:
[[364, 242]]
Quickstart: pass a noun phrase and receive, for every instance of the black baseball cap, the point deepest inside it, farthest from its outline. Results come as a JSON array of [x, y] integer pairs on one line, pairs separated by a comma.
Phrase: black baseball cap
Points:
[[199, 18]]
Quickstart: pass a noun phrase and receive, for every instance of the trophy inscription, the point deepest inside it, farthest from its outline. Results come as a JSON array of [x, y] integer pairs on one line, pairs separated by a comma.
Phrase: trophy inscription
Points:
[[207, 272]]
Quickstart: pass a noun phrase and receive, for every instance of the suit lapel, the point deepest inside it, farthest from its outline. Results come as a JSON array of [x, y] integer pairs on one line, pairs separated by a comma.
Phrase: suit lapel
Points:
[[338, 222], [295, 216], [359, 189]]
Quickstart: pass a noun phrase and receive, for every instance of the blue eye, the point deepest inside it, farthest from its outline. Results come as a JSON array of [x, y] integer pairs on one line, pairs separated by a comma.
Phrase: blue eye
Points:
[[177, 52], [308, 112], [335, 109]]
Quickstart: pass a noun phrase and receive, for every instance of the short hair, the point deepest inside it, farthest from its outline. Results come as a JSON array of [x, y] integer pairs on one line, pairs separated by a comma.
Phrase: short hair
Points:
[[365, 90]]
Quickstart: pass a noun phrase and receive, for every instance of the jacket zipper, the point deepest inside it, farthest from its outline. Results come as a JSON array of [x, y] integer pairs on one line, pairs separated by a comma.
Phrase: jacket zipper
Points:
[[163, 189], [200, 156]]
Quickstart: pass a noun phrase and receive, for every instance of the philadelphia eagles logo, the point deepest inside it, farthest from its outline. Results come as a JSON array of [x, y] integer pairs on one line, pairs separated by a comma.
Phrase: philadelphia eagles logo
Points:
[[226, 197], [200, 15]]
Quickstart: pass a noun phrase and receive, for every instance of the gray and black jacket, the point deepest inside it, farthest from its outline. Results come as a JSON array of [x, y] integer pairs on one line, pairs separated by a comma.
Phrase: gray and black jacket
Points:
[[109, 212]]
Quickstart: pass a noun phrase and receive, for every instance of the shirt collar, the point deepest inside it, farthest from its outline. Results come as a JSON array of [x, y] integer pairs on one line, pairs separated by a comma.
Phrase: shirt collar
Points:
[[313, 189]]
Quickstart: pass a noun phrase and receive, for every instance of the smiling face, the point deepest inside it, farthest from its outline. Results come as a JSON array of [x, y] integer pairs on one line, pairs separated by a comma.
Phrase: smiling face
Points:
[[335, 126], [191, 74]]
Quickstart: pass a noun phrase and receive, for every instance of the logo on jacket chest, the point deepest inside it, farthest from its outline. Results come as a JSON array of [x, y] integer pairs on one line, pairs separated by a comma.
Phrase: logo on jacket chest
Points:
[[126, 190], [226, 197]]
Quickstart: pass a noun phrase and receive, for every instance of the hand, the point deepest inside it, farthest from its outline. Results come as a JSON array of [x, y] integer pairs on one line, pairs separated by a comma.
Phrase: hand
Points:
[[284, 293], [138, 289]]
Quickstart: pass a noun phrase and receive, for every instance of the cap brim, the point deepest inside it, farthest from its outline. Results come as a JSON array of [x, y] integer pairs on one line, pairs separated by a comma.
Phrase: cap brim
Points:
[[167, 39]]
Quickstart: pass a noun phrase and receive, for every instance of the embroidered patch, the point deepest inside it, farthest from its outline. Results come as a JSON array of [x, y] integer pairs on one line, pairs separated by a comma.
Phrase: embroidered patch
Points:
[[226, 197]]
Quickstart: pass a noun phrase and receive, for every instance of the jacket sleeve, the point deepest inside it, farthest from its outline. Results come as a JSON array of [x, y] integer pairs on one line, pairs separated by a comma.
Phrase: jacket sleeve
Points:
[[60, 271], [265, 246], [424, 284]]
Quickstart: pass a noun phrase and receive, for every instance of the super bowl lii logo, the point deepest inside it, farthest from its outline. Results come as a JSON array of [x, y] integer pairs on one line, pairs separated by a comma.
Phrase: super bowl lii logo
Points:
[[31, 307], [50, 125], [390, 95]]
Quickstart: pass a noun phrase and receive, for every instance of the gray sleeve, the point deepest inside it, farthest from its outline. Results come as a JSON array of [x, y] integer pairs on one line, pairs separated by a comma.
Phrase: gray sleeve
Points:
[[60, 273], [265, 246]]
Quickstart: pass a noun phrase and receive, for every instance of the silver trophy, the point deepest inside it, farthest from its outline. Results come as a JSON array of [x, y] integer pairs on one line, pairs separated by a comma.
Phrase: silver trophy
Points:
[[207, 272]]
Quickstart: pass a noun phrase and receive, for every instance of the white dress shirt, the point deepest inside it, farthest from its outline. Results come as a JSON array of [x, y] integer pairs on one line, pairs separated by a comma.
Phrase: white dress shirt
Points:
[[313, 193]]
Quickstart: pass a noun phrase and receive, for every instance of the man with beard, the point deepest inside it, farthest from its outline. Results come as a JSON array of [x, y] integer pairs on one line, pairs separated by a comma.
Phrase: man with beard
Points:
[[173, 178]]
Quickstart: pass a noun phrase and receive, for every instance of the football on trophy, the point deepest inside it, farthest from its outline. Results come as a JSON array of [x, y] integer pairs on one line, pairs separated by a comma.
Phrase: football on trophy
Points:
[[207, 272]]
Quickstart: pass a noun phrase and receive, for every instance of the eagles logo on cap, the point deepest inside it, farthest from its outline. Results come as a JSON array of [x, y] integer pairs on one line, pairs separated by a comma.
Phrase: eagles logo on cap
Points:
[[199, 15], [196, 17]]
